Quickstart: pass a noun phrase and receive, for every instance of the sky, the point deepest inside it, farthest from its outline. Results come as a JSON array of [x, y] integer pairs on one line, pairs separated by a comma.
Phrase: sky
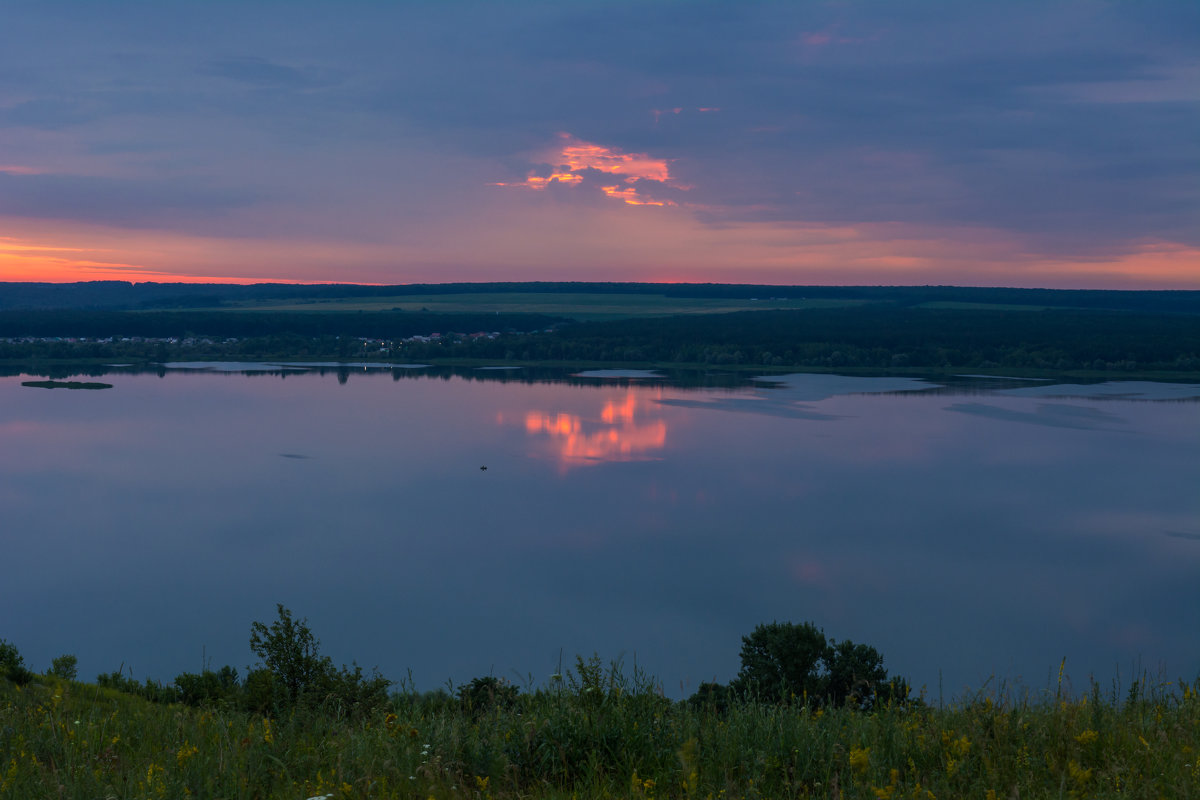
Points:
[[1048, 144]]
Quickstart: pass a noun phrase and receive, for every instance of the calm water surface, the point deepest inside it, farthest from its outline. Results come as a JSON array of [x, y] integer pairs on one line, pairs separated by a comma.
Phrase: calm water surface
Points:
[[980, 529]]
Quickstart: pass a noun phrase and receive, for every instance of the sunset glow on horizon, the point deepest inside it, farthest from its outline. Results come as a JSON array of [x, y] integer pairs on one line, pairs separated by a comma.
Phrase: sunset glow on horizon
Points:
[[818, 144]]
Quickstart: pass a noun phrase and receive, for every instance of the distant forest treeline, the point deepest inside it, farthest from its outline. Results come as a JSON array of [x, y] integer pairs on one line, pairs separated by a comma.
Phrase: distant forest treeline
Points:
[[120, 295], [878, 337], [1137, 332]]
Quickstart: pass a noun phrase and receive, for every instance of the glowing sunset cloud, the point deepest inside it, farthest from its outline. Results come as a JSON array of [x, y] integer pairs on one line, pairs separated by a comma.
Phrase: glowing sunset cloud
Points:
[[575, 158], [629, 195], [535, 182], [620, 438]]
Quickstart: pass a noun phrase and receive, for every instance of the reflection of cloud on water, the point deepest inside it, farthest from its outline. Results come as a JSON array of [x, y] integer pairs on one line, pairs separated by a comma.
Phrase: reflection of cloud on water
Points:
[[1195, 537], [618, 436], [752, 405], [1054, 415]]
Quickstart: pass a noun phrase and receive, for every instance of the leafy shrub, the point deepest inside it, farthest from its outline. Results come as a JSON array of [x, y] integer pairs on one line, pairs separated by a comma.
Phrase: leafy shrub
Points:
[[483, 694], [208, 688], [855, 674], [784, 662], [349, 692], [290, 651], [711, 697], [301, 676], [150, 690], [259, 693], [12, 664], [65, 667]]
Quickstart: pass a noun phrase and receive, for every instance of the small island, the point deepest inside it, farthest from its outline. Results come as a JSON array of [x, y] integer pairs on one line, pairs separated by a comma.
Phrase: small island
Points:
[[67, 384]]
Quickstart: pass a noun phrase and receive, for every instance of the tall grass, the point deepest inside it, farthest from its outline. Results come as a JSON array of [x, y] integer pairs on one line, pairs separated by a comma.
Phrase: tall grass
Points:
[[600, 735]]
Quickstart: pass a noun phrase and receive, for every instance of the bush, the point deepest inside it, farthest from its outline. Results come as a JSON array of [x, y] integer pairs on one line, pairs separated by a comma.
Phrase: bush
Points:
[[486, 693], [208, 688], [301, 676], [290, 651], [855, 674], [784, 662], [64, 667], [259, 694], [351, 693], [12, 665], [712, 698], [150, 690]]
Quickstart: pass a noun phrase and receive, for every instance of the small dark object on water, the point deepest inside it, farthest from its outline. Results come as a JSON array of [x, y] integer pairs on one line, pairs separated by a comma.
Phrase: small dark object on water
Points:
[[483, 469], [66, 385]]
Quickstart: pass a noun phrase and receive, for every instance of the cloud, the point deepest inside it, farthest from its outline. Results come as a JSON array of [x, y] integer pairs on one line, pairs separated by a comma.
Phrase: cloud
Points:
[[574, 160]]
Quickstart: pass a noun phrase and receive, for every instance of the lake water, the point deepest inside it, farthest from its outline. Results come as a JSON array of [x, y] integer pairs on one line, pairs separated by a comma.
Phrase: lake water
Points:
[[968, 529]]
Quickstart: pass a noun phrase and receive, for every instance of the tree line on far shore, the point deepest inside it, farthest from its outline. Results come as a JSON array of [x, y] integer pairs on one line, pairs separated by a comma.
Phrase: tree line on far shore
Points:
[[879, 337]]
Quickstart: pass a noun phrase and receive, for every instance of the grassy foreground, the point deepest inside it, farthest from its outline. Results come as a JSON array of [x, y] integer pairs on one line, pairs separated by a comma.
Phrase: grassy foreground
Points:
[[614, 738]]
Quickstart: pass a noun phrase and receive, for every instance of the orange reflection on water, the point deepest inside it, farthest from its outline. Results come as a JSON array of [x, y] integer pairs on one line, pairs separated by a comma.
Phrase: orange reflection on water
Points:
[[619, 436]]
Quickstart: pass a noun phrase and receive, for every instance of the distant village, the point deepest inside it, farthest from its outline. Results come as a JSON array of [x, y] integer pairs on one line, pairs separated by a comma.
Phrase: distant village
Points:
[[374, 345]]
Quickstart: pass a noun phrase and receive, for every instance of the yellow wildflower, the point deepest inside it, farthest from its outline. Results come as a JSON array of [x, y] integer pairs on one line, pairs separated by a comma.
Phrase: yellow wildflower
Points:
[[185, 753], [860, 759]]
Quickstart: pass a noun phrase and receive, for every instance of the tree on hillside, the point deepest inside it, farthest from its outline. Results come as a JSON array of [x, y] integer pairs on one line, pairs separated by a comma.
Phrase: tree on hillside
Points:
[[782, 660], [785, 662], [290, 651], [855, 674], [295, 673]]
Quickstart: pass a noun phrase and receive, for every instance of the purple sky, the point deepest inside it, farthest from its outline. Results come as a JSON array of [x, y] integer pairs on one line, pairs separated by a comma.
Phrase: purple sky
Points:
[[1020, 144]]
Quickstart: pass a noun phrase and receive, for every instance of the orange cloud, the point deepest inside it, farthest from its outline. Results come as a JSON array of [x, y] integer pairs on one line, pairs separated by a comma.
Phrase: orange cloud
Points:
[[629, 195], [536, 182], [575, 157]]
